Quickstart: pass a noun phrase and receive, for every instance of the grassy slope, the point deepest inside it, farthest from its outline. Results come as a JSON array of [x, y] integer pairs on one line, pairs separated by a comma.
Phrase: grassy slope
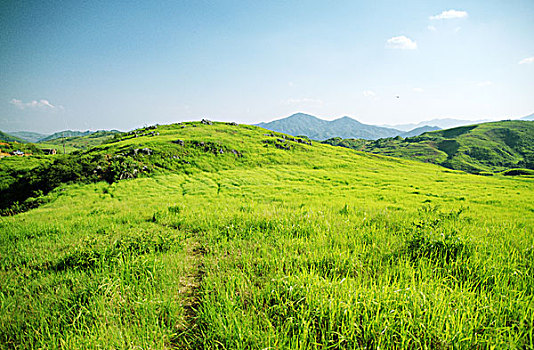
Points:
[[305, 248], [10, 138], [74, 143], [489, 147]]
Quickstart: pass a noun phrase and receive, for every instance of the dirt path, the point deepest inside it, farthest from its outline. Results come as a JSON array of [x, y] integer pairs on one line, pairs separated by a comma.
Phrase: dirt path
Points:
[[190, 288]]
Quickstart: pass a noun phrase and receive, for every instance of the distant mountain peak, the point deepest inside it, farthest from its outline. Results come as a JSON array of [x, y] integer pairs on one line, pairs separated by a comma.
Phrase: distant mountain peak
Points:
[[301, 116], [319, 129]]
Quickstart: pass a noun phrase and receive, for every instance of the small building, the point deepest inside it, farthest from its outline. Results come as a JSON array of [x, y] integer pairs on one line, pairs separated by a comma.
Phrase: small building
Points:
[[17, 153], [49, 151]]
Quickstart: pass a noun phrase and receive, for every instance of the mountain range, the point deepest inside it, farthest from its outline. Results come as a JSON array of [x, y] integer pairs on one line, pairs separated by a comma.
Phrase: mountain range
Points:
[[9, 138], [299, 124], [28, 136], [446, 123], [345, 127], [34, 137], [443, 123]]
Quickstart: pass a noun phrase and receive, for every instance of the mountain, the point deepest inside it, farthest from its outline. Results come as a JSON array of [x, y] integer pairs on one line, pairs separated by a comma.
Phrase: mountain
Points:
[[29, 136], [528, 117], [445, 123], [486, 147], [65, 133], [318, 129], [10, 138], [420, 130]]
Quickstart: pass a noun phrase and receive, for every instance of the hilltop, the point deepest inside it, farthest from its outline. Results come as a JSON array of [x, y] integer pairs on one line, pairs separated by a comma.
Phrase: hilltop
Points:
[[318, 129], [486, 147], [419, 130]]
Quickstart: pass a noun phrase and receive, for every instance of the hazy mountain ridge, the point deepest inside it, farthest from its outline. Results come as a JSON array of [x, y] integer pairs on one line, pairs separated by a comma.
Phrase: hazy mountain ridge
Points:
[[35, 137], [319, 129], [420, 130], [5, 137], [441, 123], [28, 136], [66, 133]]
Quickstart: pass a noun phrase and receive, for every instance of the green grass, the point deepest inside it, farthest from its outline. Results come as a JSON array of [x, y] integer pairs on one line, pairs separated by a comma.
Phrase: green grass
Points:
[[311, 247], [74, 143], [487, 147]]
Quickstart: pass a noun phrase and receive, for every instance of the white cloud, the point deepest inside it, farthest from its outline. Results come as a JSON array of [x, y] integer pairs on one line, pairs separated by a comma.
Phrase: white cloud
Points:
[[401, 42], [457, 29], [41, 104], [485, 83], [450, 14], [304, 101], [527, 60], [369, 93], [418, 90], [432, 28]]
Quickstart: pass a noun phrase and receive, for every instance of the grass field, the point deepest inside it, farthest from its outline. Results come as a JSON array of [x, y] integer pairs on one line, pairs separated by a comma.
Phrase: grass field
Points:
[[309, 246]]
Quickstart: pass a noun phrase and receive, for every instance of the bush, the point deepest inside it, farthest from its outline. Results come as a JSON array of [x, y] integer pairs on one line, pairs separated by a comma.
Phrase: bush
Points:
[[440, 247]]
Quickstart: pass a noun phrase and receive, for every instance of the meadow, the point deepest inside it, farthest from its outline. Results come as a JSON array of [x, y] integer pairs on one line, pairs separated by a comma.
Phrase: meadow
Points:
[[293, 246]]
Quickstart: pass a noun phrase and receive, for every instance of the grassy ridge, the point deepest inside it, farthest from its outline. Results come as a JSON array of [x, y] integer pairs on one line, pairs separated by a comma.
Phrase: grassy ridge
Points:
[[307, 247], [84, 141], [487, 147], [10, 138]]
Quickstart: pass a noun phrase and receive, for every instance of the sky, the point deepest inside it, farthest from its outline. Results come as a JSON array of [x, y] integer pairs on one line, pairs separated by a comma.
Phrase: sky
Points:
[[125, 64]]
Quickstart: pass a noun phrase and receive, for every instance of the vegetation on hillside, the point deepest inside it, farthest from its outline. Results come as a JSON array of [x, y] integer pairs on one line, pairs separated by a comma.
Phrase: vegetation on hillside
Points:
[[69, 134], [487, 147], [233, 237], [79, 142], [9, 138], [7, 148]]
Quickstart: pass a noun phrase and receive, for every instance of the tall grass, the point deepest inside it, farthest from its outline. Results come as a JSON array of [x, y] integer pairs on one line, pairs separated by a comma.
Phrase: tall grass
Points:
[[357, 252]]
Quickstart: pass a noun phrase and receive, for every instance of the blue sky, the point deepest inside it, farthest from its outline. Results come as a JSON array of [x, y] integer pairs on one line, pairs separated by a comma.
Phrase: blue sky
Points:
[[113, 64]]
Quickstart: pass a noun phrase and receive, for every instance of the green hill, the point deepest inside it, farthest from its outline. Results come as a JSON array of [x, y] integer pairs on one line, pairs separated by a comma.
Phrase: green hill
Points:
[[65, 133], [85, 141], [28, 136], [223, 236], [10, 138], [487, 147], [418, 131]]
